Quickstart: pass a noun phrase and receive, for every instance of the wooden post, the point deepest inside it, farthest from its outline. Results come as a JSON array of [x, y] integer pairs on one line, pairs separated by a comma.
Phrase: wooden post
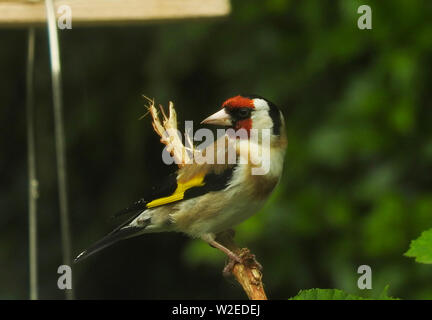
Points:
[[15, 13]]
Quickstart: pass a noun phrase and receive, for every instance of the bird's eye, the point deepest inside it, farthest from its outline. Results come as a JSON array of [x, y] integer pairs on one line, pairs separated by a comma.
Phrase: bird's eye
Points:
[[244, 113]]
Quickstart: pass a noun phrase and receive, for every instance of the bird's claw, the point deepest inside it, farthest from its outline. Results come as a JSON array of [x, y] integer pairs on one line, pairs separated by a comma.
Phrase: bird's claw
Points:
[[246, 258], [228, 269]]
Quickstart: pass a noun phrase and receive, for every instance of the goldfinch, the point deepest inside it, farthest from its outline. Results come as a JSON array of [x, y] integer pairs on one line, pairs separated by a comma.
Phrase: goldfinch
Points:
[[203, 200]]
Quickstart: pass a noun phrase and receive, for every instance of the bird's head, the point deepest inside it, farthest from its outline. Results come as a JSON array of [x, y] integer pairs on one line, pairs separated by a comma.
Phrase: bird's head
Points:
[[248, 112]]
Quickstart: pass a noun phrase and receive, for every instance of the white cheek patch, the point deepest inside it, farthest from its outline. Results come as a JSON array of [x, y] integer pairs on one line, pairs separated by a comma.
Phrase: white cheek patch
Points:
[[261, 104], [260, 115], [261, 119]]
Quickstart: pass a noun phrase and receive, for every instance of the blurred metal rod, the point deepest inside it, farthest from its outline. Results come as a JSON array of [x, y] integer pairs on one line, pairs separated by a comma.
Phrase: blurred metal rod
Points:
[[59, 136], [31, 163]]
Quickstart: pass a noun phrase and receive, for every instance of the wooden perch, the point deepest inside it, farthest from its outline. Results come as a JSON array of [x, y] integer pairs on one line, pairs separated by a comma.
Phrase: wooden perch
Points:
[[111, 12], [248, 273]]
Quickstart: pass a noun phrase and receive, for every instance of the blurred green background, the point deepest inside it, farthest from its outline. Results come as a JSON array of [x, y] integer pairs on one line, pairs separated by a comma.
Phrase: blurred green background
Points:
[[357, 185]]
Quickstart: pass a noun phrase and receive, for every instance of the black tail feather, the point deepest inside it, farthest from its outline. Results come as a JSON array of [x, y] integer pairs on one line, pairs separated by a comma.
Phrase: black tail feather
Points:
[[111, 238], [137, 205]]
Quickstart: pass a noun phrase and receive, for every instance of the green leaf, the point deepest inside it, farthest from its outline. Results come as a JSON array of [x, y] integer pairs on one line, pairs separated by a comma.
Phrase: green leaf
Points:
[[325, 294], [336, 294], [421, 248], [384, 295]]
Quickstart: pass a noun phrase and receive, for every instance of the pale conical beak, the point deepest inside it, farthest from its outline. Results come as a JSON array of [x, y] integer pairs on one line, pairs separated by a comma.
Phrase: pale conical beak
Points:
[[221, 118]]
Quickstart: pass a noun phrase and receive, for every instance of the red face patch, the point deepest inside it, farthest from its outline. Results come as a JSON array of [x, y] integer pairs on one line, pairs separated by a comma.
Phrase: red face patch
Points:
[[238, 102], [244, 124], [234, 106]]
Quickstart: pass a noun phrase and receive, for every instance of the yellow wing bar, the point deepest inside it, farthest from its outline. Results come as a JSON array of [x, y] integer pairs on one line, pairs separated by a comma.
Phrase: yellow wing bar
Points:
[[197, 181]]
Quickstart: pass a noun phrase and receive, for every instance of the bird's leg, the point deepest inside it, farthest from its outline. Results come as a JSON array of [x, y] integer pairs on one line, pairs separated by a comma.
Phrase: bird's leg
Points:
[[242, 256], [228, 269], [246, 257], [211, 241]]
